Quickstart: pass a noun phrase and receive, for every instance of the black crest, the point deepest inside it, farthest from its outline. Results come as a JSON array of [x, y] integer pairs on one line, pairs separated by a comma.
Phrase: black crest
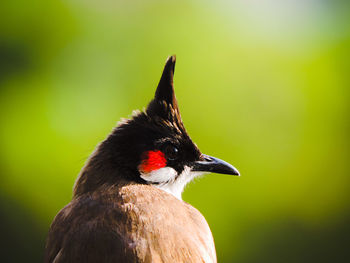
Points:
[[165, 90], [164, 105]]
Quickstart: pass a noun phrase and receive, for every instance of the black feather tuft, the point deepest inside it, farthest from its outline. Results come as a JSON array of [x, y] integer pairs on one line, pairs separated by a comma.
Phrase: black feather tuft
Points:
[[165, 90]]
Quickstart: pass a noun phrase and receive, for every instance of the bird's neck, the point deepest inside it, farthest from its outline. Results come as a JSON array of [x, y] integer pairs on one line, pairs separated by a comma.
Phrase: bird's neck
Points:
[[100, 171]]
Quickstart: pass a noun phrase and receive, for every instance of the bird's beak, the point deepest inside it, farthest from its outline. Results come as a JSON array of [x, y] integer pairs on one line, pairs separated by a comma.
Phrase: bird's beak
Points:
[[214, 165]]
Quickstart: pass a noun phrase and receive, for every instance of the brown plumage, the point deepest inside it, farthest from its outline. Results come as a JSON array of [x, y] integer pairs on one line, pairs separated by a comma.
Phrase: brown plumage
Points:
[[122, 214], [130, 223]]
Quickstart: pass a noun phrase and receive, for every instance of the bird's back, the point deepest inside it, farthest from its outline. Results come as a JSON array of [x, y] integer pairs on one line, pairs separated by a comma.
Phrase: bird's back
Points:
[[129, 223]]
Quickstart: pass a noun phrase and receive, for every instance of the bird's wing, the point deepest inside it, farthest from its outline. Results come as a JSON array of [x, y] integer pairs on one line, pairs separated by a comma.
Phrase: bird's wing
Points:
[[82, 232], [139, 224]]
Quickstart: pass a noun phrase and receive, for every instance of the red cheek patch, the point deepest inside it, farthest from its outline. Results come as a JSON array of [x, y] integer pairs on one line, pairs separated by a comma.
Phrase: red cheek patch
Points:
[[152, 160]]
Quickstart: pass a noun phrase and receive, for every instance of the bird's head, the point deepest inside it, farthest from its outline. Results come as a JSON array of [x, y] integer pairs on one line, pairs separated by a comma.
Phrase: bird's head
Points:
[[152, 147]]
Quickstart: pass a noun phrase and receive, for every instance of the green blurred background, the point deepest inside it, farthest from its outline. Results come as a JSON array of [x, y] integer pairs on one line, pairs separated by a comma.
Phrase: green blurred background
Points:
[[261, 84]]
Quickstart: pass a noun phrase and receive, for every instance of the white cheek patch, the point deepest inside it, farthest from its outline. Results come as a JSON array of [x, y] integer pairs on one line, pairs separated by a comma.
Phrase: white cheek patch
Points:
[[161, 175], [176, 187], [166, 178]]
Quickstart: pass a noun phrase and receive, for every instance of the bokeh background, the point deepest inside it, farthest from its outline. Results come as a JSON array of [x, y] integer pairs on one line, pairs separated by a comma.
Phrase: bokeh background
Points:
[[262, 84]]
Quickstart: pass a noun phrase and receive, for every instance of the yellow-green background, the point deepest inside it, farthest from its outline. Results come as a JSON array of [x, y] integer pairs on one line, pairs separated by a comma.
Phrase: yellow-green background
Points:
[[262, 84]]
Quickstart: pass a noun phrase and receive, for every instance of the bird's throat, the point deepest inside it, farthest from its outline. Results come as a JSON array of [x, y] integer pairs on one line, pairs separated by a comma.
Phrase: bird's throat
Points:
[[168, 180]]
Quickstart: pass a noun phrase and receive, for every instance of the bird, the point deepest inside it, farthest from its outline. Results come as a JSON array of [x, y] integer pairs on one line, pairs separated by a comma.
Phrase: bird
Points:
[[127, 204]]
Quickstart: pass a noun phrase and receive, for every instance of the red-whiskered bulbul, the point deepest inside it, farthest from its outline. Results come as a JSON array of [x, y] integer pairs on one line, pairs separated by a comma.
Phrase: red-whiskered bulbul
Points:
[[127, 205]]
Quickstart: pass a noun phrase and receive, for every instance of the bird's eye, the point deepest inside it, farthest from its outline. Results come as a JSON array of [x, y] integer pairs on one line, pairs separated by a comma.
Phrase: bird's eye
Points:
[[171, 152]]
